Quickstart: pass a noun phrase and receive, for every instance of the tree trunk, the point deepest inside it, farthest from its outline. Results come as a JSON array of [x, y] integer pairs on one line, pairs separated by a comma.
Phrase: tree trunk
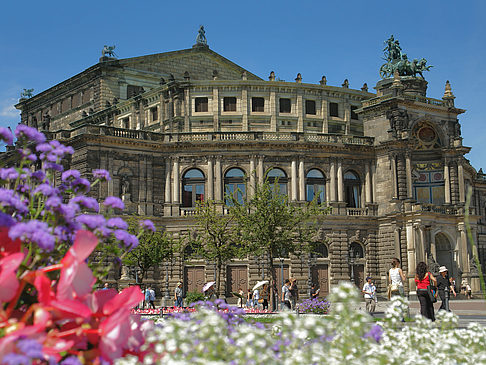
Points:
[[274, 283], [218, 278]]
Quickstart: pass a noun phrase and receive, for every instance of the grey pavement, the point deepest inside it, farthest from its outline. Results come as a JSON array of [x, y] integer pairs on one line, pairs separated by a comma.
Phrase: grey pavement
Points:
[[472, 310]]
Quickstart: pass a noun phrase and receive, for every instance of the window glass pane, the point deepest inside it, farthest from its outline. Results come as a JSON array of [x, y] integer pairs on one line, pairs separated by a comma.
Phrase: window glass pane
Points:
[[310, 192], [333, 110], [201, 105], [187, 196], [193, 174], [199, 192], [283, 188], [229, 104], [285, 105], [350, 176], [235, 173], [310, 107], [315, 173], [438, 195], [276, 173], [423, 194], [257, 104]]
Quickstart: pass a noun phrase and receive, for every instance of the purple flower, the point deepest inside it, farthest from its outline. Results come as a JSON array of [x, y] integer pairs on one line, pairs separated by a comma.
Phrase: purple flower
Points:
[[33, 231], [117, 223], [16, 359], [39, 175], [31, 348], [81, 185], [128, 239], [114, 202], [86, 202], [91, 221], [6, 135], [147, 225], [53, 202], [70, 174], [71, 360], [6, 220], [53, 166], [9, 199], [376, 332], [101, 174], [30, 134], [45, 189], [9, 174]]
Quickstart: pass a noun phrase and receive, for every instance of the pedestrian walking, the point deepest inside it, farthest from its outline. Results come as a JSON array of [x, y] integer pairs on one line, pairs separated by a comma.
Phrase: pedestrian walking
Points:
[[396, 278], [178, 295], [444, 287], [256, 298], [240, 298], [150, 297], [286, 295], [468, 291], [369, 291], [264, 297], [294, 293], [423, 279], [314, 293], [249, 299]]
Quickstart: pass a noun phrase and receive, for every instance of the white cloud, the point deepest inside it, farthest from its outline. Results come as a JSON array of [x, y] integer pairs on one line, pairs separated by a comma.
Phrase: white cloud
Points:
[[7, 108]]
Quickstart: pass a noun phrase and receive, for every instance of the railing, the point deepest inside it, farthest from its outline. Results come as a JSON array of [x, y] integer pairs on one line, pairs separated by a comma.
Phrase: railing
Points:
[[444, 209], [213, 136], [418, 98], [186, 212], [357, 212]]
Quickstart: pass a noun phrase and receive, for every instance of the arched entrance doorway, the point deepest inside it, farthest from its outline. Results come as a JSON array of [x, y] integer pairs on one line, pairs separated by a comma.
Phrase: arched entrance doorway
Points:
[[445, 253]]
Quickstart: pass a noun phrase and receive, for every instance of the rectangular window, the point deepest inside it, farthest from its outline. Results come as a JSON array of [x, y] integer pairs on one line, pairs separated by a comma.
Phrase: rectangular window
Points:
[[310, 107], [201, 105], [333, 110], [154, 113], [353, 113], [229, 104], [285, 105], [133, 90], [258, 105], [126, 123]]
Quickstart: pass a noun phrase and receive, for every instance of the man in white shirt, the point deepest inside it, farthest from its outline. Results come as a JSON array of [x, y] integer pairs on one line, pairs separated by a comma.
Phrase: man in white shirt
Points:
[[369, 290]]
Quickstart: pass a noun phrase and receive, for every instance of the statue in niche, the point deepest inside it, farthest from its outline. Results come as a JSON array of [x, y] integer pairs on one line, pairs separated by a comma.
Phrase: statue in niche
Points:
[[125, 189]]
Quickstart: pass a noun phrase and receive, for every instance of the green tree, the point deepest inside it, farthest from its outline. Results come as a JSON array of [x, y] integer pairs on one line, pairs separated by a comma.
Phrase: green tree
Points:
[[268, 225], [215, 239], [152, 250]]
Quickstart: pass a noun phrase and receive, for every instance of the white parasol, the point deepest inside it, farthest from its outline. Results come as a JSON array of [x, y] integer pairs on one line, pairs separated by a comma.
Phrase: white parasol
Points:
[[208, 285], [260, 284]]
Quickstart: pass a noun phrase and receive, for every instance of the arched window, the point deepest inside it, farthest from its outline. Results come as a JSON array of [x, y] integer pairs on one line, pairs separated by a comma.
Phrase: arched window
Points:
[[234, 184], [321, 251], [279, 175], [315, 184], [356, 251], [352, 190], [192, 188]]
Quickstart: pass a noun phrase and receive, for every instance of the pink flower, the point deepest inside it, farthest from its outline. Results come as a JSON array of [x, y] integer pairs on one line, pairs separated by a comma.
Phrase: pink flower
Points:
[[8, 276]]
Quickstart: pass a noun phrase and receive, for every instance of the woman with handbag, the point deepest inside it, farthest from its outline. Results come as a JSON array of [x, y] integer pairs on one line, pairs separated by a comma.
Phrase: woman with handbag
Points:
[[396, 279], [424, 281]]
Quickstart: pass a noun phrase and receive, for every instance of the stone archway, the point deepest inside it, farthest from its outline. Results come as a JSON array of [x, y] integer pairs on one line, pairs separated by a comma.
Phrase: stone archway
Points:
[[445, 254]]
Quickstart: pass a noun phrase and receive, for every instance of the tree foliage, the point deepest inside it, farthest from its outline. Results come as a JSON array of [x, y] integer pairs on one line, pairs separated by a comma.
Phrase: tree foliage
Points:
[[215, 239]]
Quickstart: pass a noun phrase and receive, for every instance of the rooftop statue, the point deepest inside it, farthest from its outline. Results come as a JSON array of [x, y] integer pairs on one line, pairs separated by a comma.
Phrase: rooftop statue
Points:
[[26, 93], [108, 51], [201, 36], [398, 61]]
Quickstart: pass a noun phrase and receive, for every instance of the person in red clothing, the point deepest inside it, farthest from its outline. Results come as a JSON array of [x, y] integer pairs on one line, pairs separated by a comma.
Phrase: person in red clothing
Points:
[[422, 279]]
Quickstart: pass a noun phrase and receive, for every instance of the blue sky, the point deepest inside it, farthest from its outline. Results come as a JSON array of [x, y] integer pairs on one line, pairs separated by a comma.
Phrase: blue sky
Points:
[[43, 43]]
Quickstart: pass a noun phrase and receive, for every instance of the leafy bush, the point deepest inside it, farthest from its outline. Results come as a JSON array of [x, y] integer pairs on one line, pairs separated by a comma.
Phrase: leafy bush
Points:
[[193, 297], [315, 306]]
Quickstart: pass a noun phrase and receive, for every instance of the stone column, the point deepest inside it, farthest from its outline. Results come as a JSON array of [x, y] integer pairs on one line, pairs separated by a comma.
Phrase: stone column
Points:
[[301, 180], [397, 243], [175, 178], [260, 172], [300, 116], [460, 173], [447, 184], [217, 180], [210, 178], [412, 263], [421, 254], [244, 109], [251, 190], [373, 181], [215, 109], [187, 109], [273, 112], [293, 177], [408, 167], [462, 245], [333, 181], [167, 195], [324, 114], [393, 162], [340, 181], [368, 183]]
